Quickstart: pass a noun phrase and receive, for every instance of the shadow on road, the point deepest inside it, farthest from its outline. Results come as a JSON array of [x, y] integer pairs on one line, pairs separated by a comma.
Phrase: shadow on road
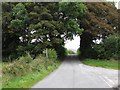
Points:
[[72, 57]]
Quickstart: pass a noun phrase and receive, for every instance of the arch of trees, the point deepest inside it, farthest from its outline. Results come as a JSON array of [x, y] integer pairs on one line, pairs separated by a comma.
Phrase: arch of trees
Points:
[[34, 26]]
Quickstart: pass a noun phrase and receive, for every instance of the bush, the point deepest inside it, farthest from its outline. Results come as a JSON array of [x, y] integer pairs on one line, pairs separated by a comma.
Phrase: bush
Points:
[[70, 52], [52, 54], [110, 48], [17, 68], [26, 64], [61, 52]]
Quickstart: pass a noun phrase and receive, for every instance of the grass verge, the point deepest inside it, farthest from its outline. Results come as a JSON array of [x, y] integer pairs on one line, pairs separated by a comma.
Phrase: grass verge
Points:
[[30, 79], [24, 73], [111, 64]]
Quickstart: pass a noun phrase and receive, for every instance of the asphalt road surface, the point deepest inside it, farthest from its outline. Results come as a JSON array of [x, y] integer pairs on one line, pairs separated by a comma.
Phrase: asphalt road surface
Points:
[[73, 74]]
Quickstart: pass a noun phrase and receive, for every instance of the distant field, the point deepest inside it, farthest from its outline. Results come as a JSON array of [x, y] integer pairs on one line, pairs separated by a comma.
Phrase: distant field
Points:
[[112, 64]]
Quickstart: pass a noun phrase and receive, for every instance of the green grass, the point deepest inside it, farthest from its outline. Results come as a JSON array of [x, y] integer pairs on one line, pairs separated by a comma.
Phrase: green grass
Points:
[[30, 79], [25, 72], [111, 64]]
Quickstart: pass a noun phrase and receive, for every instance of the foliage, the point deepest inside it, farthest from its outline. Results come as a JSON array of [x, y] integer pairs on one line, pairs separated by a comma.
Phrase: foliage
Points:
[[27, 81], [100, 18], [20, 17], [109, 48], [72, 10], [61, 51], [44, 23], [99, 21], [86, 45], [16, 68], [9, 41], [50, 24], [20, 70], [69, 14], [52, 54], [70, 52]]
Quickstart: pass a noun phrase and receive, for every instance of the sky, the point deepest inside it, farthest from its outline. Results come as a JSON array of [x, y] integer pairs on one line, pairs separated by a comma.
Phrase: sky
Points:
[[75, 44]]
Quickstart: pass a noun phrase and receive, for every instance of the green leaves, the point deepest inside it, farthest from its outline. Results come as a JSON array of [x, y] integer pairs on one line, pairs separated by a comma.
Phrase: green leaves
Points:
[[72, 9], [73, 26], [16, 24], [20, 12], [35, 26], [20, 17], [109, 48], [100, 21], [47, 24], [46, 16]]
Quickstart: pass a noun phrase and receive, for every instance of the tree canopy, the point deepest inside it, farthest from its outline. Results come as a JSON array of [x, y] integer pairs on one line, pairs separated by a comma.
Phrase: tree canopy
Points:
[[33, 27], [100, 21]]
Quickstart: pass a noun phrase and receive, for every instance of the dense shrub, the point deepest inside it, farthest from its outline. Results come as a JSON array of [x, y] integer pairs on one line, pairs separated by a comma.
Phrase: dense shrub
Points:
[[26, 64], [52, 54], [18, 67], [61, 51], [109, 48], [70, 52]]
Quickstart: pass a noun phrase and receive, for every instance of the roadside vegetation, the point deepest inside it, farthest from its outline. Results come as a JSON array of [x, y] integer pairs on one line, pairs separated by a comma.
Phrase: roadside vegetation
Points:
[[70, 52], [100, 40], [111, 64], [40, 32], [106, 54], [25, 72], [47, 26]]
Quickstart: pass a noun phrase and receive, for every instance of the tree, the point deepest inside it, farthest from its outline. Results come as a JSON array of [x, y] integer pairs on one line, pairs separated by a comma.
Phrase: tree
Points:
[[69, 13], [109, 48], [9, 40], [47, 28], [100, 20], [20, 17], [45, 25], [51, 29], [14, 25], [118, 20]]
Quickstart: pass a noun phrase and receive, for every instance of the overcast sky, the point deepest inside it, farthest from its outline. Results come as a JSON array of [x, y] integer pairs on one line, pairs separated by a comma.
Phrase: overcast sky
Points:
[[74, 44]]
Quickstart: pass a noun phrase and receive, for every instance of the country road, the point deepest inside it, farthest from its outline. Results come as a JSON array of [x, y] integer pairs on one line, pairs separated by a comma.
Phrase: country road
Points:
[[73, 74]]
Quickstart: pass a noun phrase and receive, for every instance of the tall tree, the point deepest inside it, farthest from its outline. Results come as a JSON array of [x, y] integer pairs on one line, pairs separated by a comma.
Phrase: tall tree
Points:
[[69, 14], [100, 20], [8, 39], [14, 17], [19, 20], [40, 25]]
